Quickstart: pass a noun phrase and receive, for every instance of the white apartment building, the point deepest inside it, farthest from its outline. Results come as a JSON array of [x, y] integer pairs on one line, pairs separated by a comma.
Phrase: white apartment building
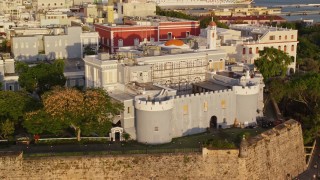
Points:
[[51, 43]]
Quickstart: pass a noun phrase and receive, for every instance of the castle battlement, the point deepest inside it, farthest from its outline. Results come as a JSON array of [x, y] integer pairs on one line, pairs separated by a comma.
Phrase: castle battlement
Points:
[[154, 106], [203, 94], [247, 90]]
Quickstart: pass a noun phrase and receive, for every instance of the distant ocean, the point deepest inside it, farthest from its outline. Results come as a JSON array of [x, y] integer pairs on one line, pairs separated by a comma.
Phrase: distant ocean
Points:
[[269, 3]]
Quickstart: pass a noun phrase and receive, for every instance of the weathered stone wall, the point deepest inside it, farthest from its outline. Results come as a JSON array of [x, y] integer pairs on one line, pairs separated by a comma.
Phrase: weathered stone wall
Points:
[[277, 153], [271, 155]]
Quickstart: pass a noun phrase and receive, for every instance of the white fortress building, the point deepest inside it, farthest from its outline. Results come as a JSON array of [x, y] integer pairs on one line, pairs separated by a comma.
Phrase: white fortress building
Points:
[[170, 90]]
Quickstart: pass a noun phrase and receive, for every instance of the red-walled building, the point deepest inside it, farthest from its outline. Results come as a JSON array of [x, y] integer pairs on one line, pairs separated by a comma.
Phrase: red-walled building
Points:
[[117, 36]]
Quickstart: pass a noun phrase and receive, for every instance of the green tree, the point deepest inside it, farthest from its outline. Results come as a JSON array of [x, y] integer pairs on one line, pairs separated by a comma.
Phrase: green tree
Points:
[[305, 90], [88, 51], [86, 112], [42, 77], [278, 89], [38, 122], [307, 49], [205, 22], [5, 46], [126, 136], [6, 128], [272, 62], [309, 64], [14, 105]]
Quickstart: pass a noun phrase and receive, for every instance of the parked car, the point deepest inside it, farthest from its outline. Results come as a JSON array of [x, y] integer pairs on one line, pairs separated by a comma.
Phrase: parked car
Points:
[[23, 139]]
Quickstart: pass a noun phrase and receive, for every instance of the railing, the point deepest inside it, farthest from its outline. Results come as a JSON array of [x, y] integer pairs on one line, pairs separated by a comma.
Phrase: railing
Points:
[[309, 155], [74, 138]]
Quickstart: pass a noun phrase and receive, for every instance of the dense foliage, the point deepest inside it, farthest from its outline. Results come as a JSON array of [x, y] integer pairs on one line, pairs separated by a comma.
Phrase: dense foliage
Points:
[[272, 62], [87, 112], [299, 98], [13, 107], [41, 77]]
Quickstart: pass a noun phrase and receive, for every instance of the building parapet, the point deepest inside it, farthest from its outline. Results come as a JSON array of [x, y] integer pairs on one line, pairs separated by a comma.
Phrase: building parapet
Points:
[[154, 106], [204, 94], [247, 90]]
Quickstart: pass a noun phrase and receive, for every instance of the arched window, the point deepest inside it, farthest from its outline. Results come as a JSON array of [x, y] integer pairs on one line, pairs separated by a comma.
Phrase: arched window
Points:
[[279, 37], [244, 51], [292, 36], [292, 47], [285, 37], [257, 50], [285, 48], [279, 47], [250, 50]]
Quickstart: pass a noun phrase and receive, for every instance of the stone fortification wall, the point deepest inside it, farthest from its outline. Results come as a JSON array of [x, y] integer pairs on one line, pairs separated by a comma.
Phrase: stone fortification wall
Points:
[[276, 154], [279, 150]]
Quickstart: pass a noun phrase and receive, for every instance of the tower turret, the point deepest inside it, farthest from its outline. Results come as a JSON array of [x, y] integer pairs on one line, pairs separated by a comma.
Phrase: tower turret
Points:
[[212, 35], [243, 152]]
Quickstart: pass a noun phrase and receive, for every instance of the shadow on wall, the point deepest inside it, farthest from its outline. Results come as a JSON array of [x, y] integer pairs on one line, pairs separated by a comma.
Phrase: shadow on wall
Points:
[[194, 131]]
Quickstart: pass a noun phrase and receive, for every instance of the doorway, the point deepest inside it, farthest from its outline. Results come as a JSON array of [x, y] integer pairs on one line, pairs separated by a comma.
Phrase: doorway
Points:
[[117, 136], [213, 122]]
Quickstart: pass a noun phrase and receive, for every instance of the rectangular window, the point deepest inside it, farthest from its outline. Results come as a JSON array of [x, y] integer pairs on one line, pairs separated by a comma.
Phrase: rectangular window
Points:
[[185, 109], [128, 110], [244, 51], [292, 36], [205, 106], [156, 129], [271, 38]]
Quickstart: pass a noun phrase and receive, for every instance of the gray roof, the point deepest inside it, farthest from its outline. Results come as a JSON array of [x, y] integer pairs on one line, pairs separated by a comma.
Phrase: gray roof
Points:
[[211, 86], [73, 65]]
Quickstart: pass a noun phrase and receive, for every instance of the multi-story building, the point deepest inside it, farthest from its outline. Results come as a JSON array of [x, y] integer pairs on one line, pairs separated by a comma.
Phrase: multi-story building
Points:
[[259, 37], [51, 43], [149, 29], [171, 90], [243, 42]]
